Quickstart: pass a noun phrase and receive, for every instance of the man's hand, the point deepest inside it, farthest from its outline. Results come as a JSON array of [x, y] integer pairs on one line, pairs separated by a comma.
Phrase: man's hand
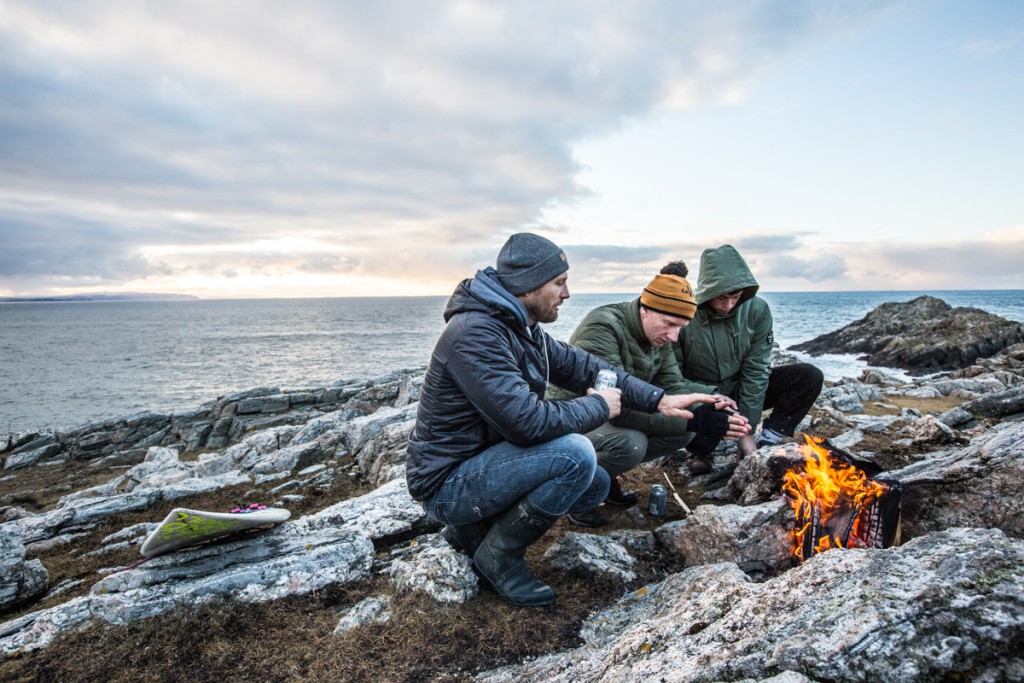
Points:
[[739, 428], [674, 405], [746, 445], [613, 397], [724, 402]]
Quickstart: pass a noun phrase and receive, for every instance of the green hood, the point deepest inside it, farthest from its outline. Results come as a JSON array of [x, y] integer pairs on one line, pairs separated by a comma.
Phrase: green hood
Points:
[[723, 270]]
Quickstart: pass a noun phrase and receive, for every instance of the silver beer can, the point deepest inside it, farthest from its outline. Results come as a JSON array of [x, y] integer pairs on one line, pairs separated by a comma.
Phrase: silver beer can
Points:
[[658, 500], [606, 379]]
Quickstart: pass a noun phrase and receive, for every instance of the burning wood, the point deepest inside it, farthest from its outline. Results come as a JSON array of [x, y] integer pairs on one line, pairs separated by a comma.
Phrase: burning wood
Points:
[[837, 505]]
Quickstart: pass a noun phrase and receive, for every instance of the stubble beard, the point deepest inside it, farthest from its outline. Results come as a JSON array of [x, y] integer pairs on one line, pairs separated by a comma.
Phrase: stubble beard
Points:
[[537, 310]]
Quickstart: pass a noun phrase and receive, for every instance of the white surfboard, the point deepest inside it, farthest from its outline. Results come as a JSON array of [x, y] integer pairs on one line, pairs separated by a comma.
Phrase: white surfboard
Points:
[[184, 527]]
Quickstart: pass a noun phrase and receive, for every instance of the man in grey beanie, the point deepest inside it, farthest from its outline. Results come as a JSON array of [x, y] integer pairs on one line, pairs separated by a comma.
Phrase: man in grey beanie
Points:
[[488, 457]]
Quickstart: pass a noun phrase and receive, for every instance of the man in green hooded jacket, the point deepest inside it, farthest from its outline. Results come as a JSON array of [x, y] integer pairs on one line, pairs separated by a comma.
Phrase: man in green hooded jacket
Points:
[[726, 349]]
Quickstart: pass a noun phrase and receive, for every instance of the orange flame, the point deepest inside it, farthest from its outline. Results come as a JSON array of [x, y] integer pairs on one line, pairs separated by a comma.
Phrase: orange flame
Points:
[[828, 496]]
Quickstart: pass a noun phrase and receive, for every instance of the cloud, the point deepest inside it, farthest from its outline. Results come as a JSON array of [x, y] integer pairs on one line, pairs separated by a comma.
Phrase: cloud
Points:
[[436, 128], [989, 260]]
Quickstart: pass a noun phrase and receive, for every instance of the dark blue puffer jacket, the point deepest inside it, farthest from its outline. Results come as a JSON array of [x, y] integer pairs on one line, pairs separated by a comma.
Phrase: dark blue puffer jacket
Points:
[[486, 380]]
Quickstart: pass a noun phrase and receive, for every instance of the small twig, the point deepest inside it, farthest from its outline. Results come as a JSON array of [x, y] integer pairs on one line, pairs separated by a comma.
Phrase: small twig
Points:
[[676, 495], [681, 503]]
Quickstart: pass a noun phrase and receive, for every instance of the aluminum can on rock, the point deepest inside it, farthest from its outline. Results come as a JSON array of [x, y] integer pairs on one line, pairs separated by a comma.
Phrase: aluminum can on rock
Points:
[[657, 500], [606, 379]]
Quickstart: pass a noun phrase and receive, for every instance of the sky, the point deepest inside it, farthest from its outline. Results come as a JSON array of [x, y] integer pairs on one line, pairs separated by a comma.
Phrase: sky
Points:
[[251, 149]]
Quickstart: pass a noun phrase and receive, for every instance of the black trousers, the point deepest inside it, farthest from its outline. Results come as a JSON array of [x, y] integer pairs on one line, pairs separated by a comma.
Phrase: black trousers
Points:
[[792, 390]]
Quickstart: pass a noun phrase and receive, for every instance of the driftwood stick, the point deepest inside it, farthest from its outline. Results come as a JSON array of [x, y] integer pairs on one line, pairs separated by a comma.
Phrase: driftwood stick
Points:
[[681, 503], [676, 496]]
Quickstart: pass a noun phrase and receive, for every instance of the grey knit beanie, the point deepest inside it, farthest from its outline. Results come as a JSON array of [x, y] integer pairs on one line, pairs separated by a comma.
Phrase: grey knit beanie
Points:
[[527, 261]]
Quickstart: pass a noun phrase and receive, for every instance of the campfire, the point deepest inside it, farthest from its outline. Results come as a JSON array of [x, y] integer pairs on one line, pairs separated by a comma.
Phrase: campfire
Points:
[[837, 503]]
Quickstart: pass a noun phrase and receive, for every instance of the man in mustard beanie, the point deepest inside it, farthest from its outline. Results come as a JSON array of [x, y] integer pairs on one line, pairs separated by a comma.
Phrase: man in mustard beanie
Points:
[[637, 336]]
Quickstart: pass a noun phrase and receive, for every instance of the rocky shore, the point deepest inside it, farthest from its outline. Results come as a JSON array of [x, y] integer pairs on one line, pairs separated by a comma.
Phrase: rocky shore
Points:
[[946, 604]]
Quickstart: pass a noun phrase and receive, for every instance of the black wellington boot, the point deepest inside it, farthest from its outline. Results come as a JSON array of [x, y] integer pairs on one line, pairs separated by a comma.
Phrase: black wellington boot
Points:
[[500, 558], [466, 538]]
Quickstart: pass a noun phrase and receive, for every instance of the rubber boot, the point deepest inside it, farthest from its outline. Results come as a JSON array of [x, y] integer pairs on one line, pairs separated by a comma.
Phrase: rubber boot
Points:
[[500, 558], [466, 538]]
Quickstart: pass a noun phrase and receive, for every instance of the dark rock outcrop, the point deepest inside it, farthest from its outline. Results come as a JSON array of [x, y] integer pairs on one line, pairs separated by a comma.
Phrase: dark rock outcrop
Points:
[[921, 336], [212, 426]]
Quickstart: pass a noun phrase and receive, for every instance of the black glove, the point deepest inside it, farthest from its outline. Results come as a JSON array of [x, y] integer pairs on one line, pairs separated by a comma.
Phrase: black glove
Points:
[[709, 422], [710, 425]]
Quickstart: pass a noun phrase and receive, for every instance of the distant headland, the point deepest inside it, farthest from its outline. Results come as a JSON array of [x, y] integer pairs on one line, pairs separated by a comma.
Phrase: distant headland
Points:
[[120, 296]]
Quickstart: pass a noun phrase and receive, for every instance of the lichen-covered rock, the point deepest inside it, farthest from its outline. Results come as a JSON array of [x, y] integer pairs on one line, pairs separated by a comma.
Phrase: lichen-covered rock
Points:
[[291, 559], [757, 536], [978, 485], [367, 611], [20, 579], [432, 566], [593, 555], [947, 606]]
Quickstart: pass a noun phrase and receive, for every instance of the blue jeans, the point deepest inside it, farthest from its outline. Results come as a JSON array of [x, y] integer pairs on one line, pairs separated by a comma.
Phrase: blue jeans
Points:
[[559, 476]]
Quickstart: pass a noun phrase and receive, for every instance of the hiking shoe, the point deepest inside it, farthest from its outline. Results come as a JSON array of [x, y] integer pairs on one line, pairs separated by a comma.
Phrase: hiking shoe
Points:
[[589, 519], [619, 497], [699, 466]]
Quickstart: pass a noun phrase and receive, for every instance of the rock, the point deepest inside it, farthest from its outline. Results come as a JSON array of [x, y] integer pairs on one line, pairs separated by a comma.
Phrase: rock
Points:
[[850, 396], [12, 512], [946, 606], [20, 579], [756, 478], [998, 405], [368, 611], [387, 514], [274, 403], [919, 392], [43, 446], [291, 559], [40, 547], [930, 431], [593, 555], [956, 417], [780, 357], [435, 568], [982, 384], [921, 336], [977, 485], [755, 535], [879, 377], [635, 540]]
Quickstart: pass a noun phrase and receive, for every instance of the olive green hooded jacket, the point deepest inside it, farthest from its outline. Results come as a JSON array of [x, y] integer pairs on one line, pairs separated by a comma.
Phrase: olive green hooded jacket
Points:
[[728, 354], [614, 332]]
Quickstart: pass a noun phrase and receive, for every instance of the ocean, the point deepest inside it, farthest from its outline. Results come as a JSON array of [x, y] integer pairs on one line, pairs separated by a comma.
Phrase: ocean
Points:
[[66, 364]]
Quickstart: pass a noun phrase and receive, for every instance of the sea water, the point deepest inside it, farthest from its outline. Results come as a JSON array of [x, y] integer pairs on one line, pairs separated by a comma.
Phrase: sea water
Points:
[[66, 364]]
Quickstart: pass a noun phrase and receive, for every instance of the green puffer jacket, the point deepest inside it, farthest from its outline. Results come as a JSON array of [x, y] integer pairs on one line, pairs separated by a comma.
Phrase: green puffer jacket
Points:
[[613, 332], [728, 354]]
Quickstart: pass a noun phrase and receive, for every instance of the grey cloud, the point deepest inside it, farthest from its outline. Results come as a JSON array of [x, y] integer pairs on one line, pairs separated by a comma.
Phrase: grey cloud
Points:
[[607, 253], [994, 261], [821, 268], [457, 119], [326, 264], [768, 243]]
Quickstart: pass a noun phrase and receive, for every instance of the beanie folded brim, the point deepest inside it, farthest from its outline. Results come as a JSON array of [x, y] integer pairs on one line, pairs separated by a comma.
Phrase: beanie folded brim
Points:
[[671, 295]]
